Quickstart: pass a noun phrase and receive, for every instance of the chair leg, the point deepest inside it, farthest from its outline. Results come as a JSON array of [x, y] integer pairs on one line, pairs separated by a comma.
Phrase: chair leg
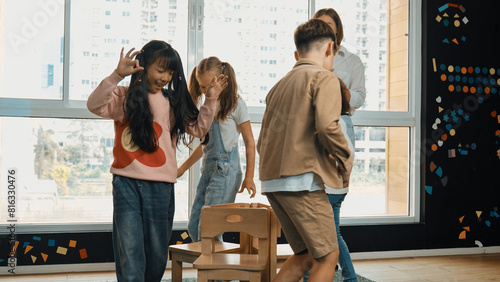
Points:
[[202, 276], [176, 270], [255, 276]]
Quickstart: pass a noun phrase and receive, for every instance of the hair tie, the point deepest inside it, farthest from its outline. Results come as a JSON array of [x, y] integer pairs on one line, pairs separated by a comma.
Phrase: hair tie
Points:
[[223, 67]]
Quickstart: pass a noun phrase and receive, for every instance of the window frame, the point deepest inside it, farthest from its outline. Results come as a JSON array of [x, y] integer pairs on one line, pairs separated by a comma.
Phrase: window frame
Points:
[[67, 108]]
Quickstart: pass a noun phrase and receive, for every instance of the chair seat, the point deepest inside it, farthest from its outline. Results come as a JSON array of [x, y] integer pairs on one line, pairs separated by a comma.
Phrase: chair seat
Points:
[[231, 261], [195, 248]]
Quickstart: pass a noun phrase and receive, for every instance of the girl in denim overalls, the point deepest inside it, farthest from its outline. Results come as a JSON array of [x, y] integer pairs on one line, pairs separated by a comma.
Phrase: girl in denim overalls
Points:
[[221, 171]]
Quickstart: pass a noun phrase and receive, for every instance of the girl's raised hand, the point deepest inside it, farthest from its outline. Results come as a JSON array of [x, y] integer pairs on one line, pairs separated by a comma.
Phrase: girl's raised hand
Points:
[[127, 64], [216, 86]]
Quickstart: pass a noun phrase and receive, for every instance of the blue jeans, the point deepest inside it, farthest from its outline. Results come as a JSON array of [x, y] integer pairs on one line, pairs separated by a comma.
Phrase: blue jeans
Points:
[[345, 261], [350, 127], [143, 214], [220, 179]]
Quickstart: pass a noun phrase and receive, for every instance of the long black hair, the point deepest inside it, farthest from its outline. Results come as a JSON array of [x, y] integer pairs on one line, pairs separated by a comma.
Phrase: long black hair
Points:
[[137, 110]]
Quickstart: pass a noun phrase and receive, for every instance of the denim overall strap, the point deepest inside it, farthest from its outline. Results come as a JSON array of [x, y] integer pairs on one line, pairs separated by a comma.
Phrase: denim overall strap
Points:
[[220, 179]]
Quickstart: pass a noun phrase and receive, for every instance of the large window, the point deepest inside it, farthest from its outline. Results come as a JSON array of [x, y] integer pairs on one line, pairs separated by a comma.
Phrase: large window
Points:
[[54, 53]]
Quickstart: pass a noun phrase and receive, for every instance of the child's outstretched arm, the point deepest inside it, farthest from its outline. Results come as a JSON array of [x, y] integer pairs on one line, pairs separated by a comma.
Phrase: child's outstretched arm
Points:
[[193, 158], [248, 183]]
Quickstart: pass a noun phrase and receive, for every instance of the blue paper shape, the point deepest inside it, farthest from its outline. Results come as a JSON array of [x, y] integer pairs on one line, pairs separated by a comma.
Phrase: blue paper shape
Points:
[[439, 172], [428, 189], [448, 126], [26, 244], [446, 40], [36, 238], [51, 243], [463, 38], [488, 223], [442, 8], [464, 152]]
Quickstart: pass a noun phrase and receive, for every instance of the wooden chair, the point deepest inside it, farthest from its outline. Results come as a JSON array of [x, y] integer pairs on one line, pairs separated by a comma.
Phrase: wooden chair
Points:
[[188, 253], [254, 221]]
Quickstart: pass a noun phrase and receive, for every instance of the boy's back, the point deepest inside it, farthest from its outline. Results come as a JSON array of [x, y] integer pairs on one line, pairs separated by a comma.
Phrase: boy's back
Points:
[[300, 126]]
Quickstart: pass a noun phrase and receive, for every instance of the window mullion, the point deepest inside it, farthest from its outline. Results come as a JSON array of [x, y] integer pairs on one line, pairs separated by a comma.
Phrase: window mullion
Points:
[[312, 8], [195, 54], [66, 56]]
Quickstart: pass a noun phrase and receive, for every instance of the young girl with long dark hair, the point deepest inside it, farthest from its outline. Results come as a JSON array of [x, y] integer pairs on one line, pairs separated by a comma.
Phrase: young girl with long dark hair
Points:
[[151, 116]]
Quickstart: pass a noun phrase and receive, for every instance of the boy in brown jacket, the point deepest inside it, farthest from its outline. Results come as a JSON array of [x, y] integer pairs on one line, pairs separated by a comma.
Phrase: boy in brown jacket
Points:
[[301, 148]]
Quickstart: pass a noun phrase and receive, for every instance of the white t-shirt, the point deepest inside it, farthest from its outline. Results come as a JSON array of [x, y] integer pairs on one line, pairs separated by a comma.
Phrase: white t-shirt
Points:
[[349, 67], [229, 127]]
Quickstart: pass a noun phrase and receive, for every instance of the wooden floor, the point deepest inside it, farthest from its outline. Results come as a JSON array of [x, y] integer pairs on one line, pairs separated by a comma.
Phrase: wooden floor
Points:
[[484, 267]]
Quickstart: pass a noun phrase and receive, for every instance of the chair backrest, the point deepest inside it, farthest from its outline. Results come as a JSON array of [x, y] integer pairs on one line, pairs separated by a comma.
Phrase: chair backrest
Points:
[[253, 221]]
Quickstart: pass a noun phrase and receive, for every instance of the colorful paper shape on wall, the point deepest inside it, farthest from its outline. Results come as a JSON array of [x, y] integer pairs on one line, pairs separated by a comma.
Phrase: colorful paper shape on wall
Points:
[[72, 243], [44, 257], [62, 250], [83, 254], [432, 166], [462, 235], [428, 189], [439, 172], [28, 248], [444, 180]]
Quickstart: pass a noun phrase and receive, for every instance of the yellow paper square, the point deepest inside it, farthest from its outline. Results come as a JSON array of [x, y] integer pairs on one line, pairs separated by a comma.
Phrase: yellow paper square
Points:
[[61, 250], [72, 243], [184, 235]]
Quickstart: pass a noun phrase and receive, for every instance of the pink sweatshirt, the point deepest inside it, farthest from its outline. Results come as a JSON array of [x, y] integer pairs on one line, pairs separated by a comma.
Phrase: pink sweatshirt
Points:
[[107, 101]]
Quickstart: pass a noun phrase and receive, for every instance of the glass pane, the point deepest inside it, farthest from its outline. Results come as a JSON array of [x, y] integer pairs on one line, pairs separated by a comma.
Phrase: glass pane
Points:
[[257, 40], [63, 170], [182, 187], [100, 28], [376, 31], [31, 49], [379, 179]]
